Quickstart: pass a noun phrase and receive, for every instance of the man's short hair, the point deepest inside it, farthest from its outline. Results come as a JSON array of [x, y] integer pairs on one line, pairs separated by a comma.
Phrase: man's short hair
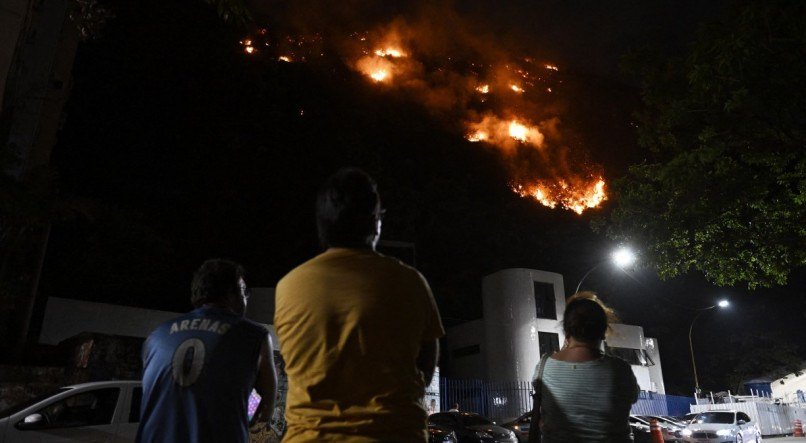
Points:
[[346, 209], [214, 281]]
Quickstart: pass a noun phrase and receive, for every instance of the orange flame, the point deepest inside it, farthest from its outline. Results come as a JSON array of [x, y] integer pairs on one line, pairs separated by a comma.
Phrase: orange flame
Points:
[[505, 134], [484, 89], [575, 198], [552, 68], [516, 88], [378, 69], [284, 58], [249, 49], [390, 52]]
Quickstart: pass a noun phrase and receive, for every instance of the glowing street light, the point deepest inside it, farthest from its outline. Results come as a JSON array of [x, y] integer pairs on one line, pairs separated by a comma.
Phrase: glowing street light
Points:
[[720, 304], [621, 257]]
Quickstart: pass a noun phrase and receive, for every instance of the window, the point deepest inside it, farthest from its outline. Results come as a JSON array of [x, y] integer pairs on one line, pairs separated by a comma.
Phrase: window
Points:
[[635, 357], [743, 416], [544, 300], [85, 409], [134, 408], [548, 342], [441, 419], [466, 351]]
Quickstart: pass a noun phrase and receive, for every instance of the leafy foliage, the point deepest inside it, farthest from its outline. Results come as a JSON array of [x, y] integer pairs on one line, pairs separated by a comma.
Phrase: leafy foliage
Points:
[[725, 189]]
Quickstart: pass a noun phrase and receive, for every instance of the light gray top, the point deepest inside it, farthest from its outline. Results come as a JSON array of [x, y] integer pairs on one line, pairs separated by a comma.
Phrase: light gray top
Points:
[[587, 401]]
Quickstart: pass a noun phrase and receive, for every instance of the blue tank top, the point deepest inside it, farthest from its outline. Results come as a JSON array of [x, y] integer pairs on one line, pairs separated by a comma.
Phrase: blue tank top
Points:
[[199, 370]]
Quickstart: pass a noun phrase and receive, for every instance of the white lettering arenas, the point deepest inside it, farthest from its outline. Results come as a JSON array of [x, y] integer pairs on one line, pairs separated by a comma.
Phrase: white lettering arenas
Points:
[[200, 324]]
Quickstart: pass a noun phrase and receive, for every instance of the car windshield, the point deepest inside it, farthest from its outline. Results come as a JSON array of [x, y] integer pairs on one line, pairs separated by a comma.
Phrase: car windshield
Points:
[[474, 420], [20, 406], [724, 418]]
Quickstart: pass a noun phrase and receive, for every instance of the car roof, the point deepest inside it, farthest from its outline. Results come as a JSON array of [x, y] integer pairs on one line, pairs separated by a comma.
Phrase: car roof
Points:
[[104, 384]]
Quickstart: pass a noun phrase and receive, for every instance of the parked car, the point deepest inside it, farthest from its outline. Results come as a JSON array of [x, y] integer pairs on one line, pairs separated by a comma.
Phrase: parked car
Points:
[[640, 431], [688, 417], [721, 427], [438, 434], [671, 429], [472, 428], [106, 412], [520, 426]]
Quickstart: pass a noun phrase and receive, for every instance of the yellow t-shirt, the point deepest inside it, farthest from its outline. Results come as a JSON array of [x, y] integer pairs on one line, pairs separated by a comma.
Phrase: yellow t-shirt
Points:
[[351, 323]]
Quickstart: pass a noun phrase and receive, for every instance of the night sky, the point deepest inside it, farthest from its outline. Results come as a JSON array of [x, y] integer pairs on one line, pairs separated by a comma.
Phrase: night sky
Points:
[[178, 147]]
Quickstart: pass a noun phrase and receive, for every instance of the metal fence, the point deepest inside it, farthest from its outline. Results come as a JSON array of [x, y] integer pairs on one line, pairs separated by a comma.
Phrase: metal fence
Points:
[[497, 400], [652, 403], [501, 401]]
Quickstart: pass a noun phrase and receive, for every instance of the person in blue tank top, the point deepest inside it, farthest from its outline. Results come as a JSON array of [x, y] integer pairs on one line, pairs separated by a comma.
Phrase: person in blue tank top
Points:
[[200, 368]]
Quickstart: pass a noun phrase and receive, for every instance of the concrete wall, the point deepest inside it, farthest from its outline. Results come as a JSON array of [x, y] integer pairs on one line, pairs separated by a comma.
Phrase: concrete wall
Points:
[[460, 337], [65, 318], [511, 325], [786, 388], [626, 336]]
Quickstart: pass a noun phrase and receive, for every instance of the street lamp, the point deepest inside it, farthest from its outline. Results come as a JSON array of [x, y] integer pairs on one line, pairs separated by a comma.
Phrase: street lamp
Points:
[[720, 304], [621, 257]]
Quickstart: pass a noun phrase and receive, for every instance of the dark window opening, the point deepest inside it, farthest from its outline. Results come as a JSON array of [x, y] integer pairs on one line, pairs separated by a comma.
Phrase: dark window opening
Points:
[[466, 351], [544, 300], [549, 342], [635, 357], [134, 410]]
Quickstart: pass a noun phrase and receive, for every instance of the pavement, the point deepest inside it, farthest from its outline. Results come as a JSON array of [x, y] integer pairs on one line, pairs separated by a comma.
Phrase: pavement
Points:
[[785, 439]]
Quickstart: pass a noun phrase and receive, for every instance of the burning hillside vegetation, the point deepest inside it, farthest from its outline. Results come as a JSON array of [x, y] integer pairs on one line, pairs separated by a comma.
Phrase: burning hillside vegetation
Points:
[[500, 102]]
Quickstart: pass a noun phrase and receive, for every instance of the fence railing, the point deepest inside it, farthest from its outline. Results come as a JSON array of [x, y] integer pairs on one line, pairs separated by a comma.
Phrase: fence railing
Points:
[[507, 400]]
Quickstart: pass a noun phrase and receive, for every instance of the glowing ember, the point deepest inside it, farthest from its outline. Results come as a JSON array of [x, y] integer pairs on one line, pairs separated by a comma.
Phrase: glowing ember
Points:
[[552, 68], [389, 52], [249, 49], [484, 89], [284, 58], [516, 88]]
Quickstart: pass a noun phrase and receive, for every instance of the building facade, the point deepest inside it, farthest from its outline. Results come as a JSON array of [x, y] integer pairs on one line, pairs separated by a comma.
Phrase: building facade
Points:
[[522, 319]]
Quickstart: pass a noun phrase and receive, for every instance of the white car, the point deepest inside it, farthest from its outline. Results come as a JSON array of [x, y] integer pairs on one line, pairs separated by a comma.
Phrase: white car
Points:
[[102, 412], [722, 427]]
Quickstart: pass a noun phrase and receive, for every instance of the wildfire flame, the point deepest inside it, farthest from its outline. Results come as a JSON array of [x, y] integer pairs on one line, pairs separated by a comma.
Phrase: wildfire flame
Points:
[[390, 52], [377, 68], [505, 134], [540, 161], [575, 198]]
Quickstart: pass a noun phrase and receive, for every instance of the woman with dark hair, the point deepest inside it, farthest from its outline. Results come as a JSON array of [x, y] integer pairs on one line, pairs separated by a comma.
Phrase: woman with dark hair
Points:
[[585, 395]]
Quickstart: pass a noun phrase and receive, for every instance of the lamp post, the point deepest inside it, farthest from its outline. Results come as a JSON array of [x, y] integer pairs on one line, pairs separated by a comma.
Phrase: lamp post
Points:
[[621, 257], [720, 304]]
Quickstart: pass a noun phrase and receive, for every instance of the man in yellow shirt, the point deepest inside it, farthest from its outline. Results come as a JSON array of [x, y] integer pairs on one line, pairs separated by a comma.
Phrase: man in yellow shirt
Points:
[[358, 331]]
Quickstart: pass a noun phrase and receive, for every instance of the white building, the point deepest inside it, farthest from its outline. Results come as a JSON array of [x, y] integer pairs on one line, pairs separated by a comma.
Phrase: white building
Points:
[[790, 388], [522, 319]]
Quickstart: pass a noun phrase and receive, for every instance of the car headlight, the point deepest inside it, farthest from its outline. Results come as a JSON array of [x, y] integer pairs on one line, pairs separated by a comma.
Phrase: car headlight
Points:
[[686, 432], [724, 432], [482, 434]]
